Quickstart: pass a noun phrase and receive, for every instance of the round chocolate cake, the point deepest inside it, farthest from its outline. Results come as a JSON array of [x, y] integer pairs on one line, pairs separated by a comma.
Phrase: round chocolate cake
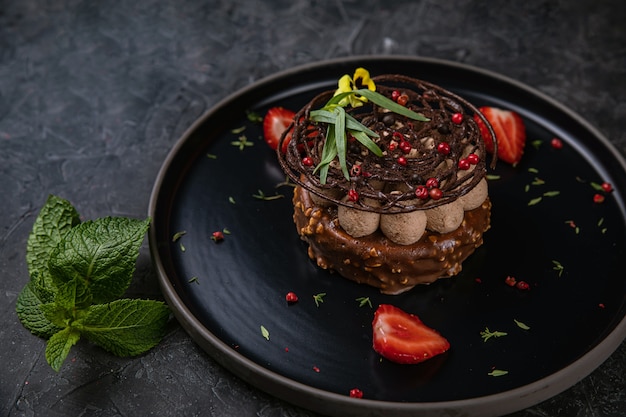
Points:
[[390, 180]]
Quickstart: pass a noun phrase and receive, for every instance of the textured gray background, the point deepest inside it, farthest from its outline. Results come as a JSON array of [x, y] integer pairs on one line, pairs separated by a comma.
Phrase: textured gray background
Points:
[[94, 94]]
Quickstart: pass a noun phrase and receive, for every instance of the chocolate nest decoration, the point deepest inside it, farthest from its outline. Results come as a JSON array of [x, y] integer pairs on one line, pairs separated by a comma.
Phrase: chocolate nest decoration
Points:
[[383, 184]]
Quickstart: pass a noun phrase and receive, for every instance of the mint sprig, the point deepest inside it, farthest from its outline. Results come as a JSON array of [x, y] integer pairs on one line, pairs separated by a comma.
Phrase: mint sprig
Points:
[[78, 272]]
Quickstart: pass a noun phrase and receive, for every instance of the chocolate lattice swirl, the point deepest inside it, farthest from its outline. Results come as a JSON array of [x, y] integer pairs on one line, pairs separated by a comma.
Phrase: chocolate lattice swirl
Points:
[[388, 183]]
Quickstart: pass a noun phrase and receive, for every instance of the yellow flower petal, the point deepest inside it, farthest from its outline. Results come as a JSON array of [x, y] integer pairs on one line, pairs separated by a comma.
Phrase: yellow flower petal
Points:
[[356, 101], [362, 79], [345, 84]]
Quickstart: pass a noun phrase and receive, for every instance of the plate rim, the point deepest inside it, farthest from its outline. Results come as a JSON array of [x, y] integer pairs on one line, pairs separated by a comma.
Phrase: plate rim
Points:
[[330, 403]]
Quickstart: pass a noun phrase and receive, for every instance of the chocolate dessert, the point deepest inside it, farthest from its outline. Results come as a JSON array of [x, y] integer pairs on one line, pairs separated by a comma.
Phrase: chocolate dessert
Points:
[[390, 180]]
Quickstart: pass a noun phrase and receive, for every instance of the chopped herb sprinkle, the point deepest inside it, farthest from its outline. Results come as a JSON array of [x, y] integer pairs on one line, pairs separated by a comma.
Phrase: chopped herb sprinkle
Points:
[[498, 372], [364, 301], [254, 117], [521, 325], [487, 334], [242, 142], [265, 333], [260, 195], [319, 298]]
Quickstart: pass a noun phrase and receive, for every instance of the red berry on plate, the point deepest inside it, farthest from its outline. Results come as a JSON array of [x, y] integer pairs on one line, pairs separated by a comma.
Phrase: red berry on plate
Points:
[[598, 198], [421, 192], [275, 122], [510, 133], [556, 143], [464, 164], [522, 285], [403, 99], [510, 281], [356, 393], [403, 338], [473, 158], [443, 148], [457, 118], [435, 193], [217, 236], [353, 195], [432, 182], [607, 187], [291, 297], [405, 146]]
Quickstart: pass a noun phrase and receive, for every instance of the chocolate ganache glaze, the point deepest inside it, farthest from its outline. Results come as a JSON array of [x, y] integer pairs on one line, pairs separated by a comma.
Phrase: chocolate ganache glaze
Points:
[[411, 213]]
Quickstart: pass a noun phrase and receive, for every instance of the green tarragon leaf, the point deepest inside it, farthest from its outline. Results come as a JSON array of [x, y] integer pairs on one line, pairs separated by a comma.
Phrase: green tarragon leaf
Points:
[[328, 154], [102, 253], [325, 116], [341, 140], [386, 103], [125, 327], [54, 221]]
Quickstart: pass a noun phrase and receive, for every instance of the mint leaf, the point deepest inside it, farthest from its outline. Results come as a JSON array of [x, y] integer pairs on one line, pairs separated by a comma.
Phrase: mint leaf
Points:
[[73, 265], [28, 310], [57, 315], [55, 219], [125, 327], [102, 253], [59, 346], [73, 295], [70, 303]]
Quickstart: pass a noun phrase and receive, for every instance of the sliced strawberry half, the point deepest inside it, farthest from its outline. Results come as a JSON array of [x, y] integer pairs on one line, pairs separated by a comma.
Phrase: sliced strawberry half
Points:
[[275, 122], [510, 133], [403, 338]]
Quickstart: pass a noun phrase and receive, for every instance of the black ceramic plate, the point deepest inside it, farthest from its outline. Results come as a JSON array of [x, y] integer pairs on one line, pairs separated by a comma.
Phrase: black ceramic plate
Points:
[[225, 293]]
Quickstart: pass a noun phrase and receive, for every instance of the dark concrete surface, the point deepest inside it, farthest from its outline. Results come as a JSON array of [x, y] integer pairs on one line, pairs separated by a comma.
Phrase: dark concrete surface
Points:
[[94, 94]]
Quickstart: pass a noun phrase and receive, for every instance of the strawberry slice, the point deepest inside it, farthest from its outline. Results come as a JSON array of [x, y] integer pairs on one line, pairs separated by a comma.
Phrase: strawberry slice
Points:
[[275, 122], [403, 338], [510, 133]]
